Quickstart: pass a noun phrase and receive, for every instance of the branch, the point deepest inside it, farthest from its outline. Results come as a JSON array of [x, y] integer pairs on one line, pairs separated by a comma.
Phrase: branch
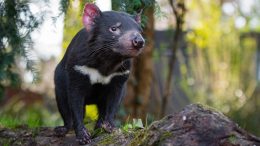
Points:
[[179, 10]]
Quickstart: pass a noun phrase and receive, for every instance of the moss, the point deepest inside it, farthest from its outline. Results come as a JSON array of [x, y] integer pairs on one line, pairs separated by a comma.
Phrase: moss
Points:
[[107, 139], [232, 139], [35, 132], [5, 142], [139, 137], [97, 132], [165, 135], [130, 136]]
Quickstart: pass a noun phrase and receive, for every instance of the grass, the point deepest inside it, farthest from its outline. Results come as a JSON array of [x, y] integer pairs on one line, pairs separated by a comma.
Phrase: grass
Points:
[[8, 121], [33, 116], [12, 122]]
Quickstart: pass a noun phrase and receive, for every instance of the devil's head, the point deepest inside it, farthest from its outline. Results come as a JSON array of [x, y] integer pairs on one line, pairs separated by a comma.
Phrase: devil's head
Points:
[[114, 32]]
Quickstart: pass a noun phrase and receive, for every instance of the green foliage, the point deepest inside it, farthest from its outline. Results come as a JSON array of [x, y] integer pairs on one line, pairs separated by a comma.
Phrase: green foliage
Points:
[[219, 73], [16, 24], [134, 131], [8, 121], [33, 116], [72, 24], [136, 124], [131, 6], [134, 6], [65, 5], [232, 139], [73, 21]]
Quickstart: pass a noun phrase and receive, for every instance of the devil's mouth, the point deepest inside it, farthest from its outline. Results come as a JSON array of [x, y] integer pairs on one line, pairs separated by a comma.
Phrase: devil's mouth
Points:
[[133, 52], [128, 52]]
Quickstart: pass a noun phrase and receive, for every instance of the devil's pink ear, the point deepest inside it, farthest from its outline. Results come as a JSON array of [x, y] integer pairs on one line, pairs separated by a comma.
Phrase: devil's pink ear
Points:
[[138, 17], [90, 13]]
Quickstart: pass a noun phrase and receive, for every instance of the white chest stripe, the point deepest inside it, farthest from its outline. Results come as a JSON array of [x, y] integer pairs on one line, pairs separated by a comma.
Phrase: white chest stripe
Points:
[[95, 76]]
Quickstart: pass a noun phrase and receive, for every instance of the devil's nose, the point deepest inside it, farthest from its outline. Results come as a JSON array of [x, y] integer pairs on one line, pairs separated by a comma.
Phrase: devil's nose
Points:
[[138, 42]]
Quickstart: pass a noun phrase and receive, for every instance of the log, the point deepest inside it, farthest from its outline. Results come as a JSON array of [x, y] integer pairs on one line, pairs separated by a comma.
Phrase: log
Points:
[[195, 125]]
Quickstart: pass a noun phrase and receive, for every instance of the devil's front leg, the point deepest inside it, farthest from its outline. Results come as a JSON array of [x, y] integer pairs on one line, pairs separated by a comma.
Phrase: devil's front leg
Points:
[[78, 88], [108, 108]]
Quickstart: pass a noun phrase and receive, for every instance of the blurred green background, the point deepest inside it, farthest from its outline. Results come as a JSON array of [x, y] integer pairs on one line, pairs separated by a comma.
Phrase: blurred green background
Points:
[[197, 51]]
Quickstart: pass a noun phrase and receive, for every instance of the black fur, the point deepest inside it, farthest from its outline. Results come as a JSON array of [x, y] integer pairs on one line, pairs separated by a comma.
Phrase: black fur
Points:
[[94, 49]]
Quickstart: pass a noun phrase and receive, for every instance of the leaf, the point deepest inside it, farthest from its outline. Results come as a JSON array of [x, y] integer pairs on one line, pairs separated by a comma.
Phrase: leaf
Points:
[[127, 127], [137, 123]]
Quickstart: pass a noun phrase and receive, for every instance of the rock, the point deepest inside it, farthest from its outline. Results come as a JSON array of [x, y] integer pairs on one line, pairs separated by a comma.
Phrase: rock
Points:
[[195, 125]]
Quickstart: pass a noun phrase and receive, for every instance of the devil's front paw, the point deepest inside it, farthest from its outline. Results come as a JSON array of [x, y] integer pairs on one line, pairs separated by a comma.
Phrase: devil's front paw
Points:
[[61, 131], [83, 136], [107, 126]]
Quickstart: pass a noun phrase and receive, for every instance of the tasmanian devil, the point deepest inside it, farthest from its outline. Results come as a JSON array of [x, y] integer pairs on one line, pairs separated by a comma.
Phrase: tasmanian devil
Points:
[[95, 68]]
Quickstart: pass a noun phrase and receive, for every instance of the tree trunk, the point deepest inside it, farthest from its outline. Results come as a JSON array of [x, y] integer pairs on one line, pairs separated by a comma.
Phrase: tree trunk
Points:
[[139, 85]]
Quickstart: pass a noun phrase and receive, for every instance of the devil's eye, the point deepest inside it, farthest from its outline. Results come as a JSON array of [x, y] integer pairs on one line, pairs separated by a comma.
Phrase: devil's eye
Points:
[[113, 28]]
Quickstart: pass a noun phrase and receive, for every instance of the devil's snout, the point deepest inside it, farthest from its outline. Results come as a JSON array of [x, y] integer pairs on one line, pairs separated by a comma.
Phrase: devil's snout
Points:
[[138, 42]]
